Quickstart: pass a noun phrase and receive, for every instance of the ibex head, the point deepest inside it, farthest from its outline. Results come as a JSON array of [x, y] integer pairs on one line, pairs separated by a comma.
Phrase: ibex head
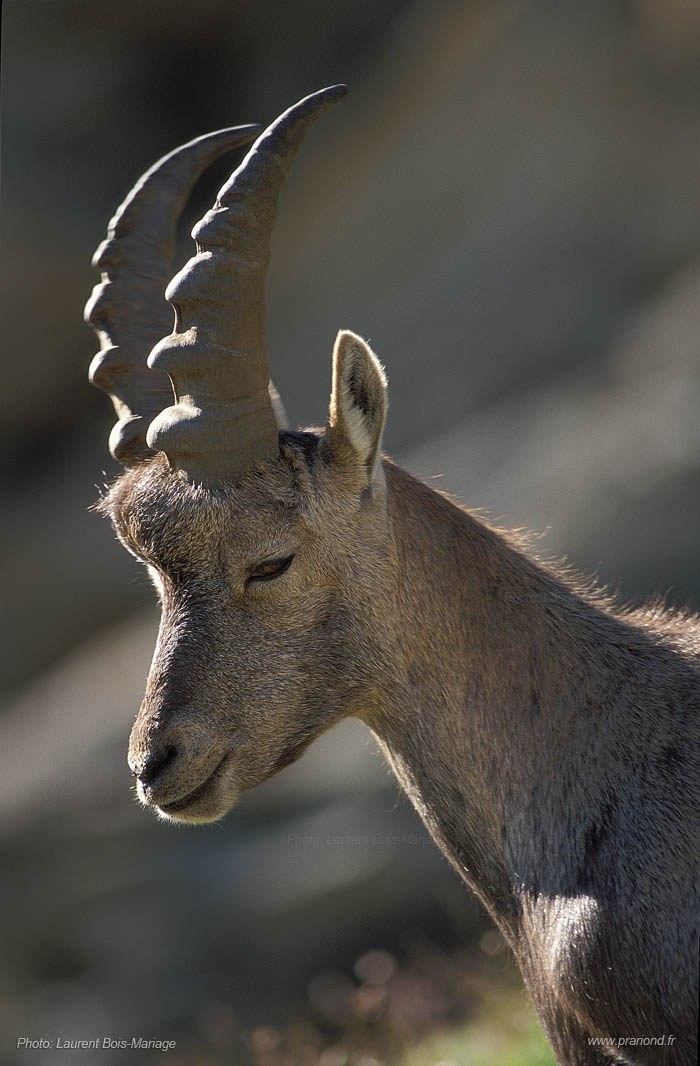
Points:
[[270, 549]]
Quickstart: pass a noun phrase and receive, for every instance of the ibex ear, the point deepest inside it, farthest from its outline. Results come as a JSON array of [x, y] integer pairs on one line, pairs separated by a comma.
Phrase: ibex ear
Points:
[[358, 406]]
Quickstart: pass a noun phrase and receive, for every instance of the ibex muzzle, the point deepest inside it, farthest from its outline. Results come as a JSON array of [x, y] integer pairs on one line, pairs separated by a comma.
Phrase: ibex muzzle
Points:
[[547, 736]]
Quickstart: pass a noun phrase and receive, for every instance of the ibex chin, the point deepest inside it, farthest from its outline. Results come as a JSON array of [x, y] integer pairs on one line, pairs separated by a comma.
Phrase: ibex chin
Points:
[[546, 735]]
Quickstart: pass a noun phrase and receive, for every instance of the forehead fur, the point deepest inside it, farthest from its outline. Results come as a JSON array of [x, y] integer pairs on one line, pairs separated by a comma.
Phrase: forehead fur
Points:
[[167, 521]]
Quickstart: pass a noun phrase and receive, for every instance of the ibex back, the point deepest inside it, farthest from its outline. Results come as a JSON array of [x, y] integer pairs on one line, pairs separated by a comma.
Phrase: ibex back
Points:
[[547, 736]]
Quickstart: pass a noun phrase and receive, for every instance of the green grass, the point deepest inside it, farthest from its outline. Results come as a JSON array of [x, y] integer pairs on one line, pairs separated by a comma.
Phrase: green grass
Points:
[[508, 1035], [467, 1008]]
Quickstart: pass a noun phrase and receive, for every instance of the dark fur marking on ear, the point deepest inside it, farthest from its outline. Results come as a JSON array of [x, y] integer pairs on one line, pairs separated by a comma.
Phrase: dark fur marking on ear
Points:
[[306, 444], [359, 392]]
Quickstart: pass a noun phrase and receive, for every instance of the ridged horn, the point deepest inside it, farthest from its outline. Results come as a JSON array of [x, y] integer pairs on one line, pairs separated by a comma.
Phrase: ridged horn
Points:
[[216, 357], [127, 309]]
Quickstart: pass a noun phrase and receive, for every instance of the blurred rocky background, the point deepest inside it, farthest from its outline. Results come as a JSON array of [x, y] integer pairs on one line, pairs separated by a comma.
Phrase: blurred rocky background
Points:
[[507, 206]]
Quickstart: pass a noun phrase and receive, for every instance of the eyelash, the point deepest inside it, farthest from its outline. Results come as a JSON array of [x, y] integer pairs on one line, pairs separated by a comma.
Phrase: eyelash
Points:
[[280, 565]]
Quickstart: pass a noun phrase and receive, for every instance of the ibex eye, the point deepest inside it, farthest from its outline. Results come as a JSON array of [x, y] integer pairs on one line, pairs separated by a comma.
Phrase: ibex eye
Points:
[[272, 568]]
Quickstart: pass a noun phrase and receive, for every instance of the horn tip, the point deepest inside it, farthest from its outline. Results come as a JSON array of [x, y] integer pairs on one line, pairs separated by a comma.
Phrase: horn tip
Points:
[[330, 94]]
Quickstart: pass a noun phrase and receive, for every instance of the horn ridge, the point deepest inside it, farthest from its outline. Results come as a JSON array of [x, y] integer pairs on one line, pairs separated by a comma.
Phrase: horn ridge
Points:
[[223, 419], [127, 308]]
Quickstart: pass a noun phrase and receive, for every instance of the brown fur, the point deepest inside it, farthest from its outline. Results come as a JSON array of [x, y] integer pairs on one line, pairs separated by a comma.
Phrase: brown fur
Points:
[[547, 737]]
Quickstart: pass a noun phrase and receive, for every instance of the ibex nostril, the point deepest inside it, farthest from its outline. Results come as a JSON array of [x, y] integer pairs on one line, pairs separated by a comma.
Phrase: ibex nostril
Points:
[[155, 763]]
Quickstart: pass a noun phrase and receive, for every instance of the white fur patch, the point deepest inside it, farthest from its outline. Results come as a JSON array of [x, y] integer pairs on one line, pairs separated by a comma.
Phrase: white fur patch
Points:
[[569, 927], [156, 579], [356, 424]]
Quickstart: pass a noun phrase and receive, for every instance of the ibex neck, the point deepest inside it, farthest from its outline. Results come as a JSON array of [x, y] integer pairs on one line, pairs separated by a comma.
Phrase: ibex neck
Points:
[[495, 693]]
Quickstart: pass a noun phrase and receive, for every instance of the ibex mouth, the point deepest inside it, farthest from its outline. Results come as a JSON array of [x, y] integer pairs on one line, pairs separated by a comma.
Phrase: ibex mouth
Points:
[[202, 804]]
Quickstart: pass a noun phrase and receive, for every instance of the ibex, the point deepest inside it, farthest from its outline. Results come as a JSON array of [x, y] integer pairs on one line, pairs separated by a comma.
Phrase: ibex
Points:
[[546, 735]]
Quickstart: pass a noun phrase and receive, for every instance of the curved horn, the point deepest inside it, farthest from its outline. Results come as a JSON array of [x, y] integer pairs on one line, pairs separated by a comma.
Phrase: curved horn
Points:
[[216, 357], [127, 309]]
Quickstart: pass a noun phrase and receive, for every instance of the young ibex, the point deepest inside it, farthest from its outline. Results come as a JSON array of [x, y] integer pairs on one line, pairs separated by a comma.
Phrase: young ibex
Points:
[[546, 735]]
